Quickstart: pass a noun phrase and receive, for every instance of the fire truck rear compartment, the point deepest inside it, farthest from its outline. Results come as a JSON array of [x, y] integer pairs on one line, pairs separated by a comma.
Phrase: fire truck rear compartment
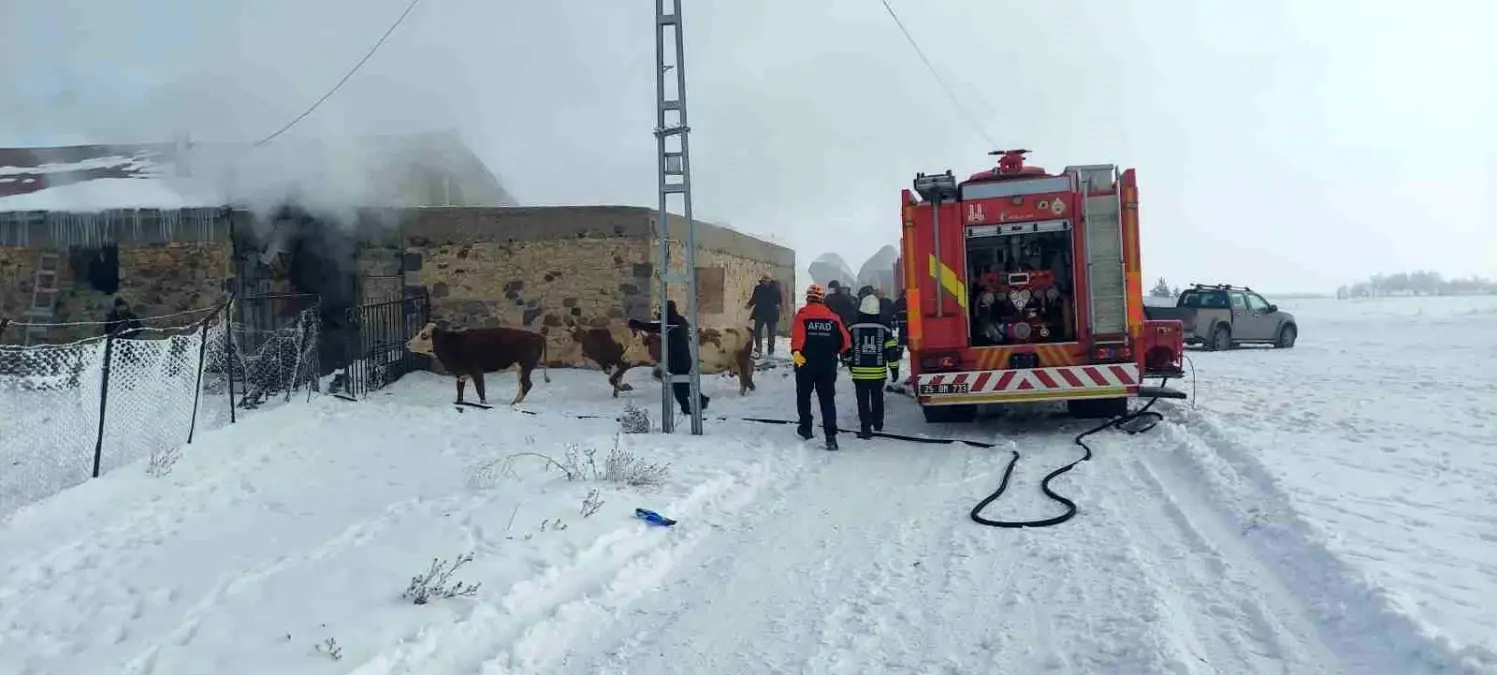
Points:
[[1021, 284]]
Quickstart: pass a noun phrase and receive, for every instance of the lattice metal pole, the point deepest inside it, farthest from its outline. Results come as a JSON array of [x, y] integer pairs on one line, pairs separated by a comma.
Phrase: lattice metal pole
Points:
[[675, 178]]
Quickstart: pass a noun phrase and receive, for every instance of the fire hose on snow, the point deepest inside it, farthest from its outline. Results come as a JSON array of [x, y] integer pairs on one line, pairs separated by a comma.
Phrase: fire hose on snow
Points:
[[1132, 423], [1136, 422]]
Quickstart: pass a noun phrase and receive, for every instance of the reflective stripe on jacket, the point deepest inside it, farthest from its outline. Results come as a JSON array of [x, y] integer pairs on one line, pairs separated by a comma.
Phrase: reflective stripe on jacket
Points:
[[875, 352]]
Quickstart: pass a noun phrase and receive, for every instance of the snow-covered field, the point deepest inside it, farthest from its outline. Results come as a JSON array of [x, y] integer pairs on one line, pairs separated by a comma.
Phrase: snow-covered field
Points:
[[1321, 510]]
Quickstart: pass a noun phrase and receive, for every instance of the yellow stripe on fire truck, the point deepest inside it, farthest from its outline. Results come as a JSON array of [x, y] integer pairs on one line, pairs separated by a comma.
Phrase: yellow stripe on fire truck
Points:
[[950, 281], [1035, 380]]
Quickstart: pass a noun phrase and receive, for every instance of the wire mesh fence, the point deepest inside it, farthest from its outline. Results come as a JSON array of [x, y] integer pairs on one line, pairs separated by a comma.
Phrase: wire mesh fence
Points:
[[72, 411], [76, 410], [268, 350]]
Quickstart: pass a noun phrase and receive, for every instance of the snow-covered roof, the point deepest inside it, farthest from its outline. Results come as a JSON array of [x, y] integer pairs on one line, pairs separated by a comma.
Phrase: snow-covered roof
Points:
[[96, 177], [378, 171]]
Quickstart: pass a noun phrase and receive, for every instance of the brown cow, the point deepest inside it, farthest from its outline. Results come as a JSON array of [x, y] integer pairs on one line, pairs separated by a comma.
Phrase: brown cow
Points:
[[618, 348], [615, 349], [719, 350], [471, 352]]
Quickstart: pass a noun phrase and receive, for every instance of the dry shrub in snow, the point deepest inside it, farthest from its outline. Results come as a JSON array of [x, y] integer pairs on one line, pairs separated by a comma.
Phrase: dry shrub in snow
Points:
[[591, 503], [437, 582], [578, 464], [623, 466], [331, 648], [634, 420], [162, 461]]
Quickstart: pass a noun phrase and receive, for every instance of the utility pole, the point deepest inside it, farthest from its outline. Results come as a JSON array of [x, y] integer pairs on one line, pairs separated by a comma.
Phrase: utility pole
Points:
[[675, 178]]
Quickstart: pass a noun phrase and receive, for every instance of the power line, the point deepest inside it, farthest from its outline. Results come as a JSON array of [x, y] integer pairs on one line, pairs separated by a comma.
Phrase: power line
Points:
[[346, 77], [936, 74]]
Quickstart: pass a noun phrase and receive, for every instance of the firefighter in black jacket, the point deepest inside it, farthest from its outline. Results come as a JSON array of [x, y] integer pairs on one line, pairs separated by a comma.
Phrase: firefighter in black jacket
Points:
[[874, 356], [840, 301], [679, 354], [818, 339]]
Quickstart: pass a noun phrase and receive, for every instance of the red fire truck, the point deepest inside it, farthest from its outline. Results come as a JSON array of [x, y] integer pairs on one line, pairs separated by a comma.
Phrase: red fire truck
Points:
[[1024, 286]]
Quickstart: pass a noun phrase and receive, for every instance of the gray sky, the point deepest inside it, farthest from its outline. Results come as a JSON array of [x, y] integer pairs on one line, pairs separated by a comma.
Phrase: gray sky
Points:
[[1286, 145]]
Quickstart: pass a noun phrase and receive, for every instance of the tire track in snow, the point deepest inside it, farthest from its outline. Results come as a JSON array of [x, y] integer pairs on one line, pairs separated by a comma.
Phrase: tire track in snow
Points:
[[549, 609], [787, 572], [1074, 598], [868, 620], [1354, 619], [849, 592], [1055, 599], [1202, 569]]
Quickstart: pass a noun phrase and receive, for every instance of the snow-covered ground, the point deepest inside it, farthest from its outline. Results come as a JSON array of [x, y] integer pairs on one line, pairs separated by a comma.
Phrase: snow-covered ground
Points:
[[1380, 427], [1282, 525]]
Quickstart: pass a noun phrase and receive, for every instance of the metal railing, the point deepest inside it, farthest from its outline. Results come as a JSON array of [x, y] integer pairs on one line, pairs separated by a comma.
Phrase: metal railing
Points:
[[376, 335]]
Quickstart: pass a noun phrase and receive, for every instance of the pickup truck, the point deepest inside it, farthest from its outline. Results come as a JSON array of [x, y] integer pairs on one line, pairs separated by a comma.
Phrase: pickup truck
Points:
[[1220, 317]]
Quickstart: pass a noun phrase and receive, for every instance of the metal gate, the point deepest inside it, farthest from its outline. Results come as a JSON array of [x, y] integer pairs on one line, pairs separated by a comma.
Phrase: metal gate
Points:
[[376, 335]]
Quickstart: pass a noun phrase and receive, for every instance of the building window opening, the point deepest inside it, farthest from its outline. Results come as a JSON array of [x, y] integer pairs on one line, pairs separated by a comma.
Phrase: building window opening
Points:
[[98, 267]]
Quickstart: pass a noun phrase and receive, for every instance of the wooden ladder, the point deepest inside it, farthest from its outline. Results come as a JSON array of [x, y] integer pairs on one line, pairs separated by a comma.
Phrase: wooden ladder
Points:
[[44, 295]]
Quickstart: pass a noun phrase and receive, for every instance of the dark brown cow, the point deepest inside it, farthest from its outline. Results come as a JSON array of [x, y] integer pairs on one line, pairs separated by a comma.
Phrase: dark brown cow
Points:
[[615, 349], [471, 352]]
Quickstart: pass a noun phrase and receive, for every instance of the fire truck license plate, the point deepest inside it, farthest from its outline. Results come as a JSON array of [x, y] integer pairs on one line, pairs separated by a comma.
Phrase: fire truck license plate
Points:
[[935, 389]]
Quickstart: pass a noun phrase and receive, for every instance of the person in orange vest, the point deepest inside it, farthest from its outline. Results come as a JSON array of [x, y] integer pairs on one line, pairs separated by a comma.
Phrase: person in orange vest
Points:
[[818, 341]]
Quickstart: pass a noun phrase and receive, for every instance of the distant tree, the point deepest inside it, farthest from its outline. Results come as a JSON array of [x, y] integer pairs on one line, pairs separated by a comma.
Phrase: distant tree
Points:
[[1162, 290], [1416, 283]]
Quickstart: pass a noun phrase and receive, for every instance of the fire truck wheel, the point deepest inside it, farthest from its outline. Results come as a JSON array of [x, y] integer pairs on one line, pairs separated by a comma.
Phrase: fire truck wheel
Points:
[[1097, 408], [1287, 335], [1221, 338], [948, 414]]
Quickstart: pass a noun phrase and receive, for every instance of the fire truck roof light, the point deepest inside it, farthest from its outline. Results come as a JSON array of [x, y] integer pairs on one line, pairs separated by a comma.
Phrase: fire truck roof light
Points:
[[1009, 161]]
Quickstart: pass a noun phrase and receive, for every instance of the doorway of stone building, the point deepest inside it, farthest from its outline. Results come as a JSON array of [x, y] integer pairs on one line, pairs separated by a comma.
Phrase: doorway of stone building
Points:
[[322, 260]]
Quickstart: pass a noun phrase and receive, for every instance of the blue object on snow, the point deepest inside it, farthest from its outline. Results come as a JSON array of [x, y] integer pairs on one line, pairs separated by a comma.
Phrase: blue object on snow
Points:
[[653, 518]]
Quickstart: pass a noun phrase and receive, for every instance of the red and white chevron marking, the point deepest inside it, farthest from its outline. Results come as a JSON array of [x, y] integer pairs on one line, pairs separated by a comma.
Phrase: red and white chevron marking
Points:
[[1067, 378]]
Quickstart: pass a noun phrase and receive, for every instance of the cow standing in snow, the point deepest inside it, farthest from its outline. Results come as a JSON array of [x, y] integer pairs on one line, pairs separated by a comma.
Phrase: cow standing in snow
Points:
[[469, 353]]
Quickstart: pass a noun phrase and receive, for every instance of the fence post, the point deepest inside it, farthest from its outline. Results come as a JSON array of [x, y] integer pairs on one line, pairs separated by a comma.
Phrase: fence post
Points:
[[353, 333], [103, 402], [197, 392], [229, 354]]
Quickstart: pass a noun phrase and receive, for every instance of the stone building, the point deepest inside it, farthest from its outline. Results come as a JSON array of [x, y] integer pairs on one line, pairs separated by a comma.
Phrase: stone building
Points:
[[551, 268], [451, 231], [67, 267], [81, 225]]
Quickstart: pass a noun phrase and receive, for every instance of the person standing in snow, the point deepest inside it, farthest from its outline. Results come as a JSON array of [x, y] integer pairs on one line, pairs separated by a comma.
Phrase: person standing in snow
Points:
[[901, 317], [890, 317], [679, 354], [818, 338], [842, 303], [765, 303], [874, 356], [121, 321]]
